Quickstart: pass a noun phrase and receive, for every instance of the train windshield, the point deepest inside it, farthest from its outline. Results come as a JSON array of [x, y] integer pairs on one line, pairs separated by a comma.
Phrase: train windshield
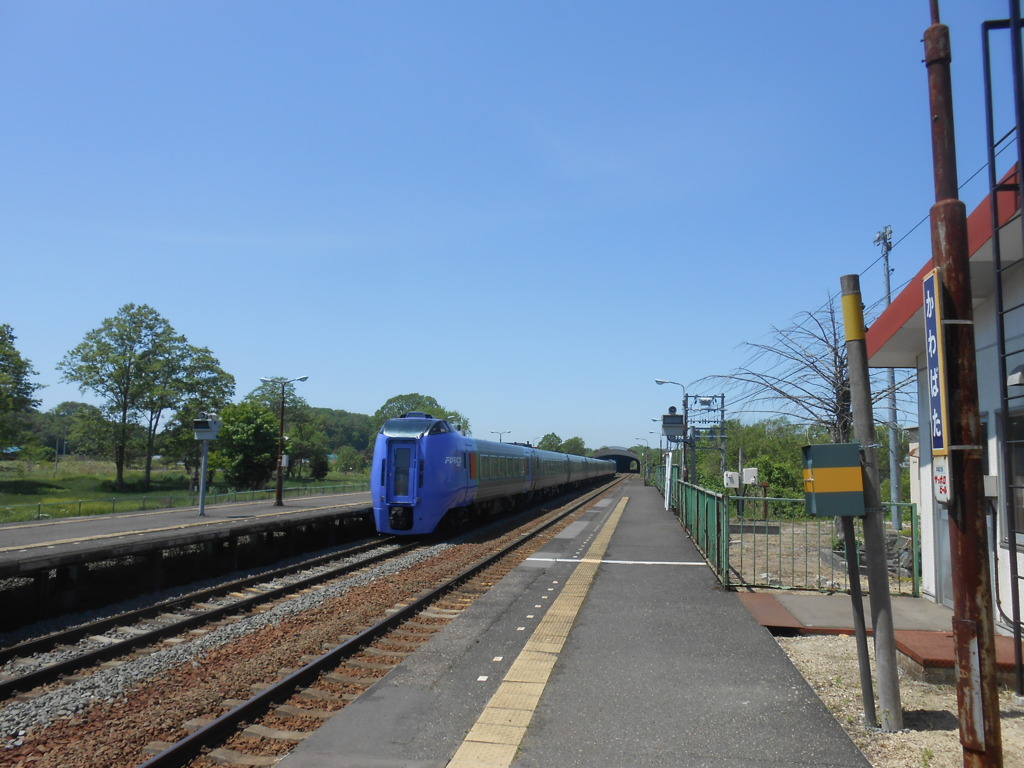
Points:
[[406, 427], [401, 464]]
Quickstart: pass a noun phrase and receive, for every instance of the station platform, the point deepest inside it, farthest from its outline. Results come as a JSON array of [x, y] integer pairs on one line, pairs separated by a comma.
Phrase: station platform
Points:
[[29, 547], [614, 646], [61, 566]]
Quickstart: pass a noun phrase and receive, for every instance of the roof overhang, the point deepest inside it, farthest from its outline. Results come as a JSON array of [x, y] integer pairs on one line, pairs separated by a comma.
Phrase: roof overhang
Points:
[[896, 338]]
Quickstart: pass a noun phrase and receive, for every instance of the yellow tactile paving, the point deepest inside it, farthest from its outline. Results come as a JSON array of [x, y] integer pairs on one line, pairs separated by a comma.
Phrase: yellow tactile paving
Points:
[[477, 754], [495, 738], [530, 672], [496, 734], [499, 716], [505, 700]]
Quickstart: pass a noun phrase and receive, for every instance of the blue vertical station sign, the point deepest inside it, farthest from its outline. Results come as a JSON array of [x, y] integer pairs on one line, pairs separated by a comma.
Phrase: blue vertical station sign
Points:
[[935, 353], [936, 357]]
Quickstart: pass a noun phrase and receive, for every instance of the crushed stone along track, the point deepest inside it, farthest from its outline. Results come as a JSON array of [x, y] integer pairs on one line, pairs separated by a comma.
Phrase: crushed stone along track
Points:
[[128, 712], [41, 661]]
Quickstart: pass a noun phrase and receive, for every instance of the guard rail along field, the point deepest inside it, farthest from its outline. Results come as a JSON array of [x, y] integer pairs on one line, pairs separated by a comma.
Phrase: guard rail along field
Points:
[[771, 543], [16, 513]]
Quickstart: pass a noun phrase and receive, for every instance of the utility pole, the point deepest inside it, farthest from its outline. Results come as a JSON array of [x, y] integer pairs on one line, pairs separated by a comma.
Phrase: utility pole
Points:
[[891, 714], [884, 239], [959, 435]]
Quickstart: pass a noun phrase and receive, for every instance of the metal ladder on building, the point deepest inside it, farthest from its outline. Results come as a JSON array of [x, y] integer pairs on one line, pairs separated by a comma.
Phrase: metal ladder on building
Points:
[[1006, 194]]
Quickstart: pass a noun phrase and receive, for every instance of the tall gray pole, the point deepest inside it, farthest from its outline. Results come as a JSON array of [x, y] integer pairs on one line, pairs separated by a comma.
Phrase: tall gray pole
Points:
[[202, 478], [884, 238], [891, 710]]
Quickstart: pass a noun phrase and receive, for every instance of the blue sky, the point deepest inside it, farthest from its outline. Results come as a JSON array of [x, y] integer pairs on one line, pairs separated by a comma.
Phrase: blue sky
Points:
[[528, 210]]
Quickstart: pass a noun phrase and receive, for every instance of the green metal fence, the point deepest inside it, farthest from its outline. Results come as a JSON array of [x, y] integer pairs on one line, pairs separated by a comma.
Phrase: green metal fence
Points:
[[767, 542], [85, 507]]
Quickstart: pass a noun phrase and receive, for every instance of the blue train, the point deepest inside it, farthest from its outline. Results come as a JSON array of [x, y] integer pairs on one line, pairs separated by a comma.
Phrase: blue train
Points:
[[425, 471]]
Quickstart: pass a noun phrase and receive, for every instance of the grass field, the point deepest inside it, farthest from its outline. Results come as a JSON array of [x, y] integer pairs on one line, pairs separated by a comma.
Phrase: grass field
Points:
[[81, 486]]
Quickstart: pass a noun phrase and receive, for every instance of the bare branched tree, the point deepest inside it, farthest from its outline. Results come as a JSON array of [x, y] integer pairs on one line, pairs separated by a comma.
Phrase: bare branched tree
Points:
[[801, 373]]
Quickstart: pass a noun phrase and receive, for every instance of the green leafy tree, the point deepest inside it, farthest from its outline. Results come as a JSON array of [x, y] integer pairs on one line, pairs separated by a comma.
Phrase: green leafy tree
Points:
[[190, 380], [399, 405], [51, 428], [575, 446], [319, 467], [550, 442], [348, 459], [16, 389], [307, 444], [140, 367], [93, 434], [344, 428], [268, 394], [246, 448], [208, 393], [774, 446]]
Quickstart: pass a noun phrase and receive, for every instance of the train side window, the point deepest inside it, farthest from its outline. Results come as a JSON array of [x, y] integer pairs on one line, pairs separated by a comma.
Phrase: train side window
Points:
[[383, 470]]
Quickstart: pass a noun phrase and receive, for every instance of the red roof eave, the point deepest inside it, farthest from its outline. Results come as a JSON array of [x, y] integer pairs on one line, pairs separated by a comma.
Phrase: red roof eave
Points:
[[910, 300]]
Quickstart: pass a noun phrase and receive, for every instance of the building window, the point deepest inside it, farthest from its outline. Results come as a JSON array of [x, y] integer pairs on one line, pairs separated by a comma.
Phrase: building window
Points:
[[1015, 442]]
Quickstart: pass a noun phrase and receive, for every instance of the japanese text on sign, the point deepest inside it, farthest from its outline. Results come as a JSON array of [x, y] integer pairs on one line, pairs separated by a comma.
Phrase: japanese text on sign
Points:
[[941, 480], [936, 363]]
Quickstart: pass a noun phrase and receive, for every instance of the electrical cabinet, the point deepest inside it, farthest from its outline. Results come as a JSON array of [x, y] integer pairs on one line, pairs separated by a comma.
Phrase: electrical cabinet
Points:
[[833, 480]]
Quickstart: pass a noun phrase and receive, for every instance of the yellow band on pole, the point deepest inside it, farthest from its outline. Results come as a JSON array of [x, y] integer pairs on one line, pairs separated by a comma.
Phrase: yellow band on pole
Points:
[[853, 317]]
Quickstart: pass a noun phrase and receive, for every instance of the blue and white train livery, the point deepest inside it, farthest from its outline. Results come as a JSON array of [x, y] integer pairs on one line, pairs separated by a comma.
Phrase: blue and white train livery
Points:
[[425, 470]]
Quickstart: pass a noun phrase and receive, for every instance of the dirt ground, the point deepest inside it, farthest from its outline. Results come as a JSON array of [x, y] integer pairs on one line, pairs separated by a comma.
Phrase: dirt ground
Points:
[[931, 735]]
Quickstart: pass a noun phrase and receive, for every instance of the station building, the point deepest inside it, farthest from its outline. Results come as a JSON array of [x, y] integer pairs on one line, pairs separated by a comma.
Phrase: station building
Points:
[[897, 340]]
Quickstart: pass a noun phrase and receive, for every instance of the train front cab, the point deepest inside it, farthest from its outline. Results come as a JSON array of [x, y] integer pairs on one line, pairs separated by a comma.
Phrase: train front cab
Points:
[[403, 473]]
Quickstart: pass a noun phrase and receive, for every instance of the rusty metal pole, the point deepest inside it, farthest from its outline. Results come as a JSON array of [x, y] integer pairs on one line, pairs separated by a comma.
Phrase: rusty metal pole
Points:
[[973, 629]]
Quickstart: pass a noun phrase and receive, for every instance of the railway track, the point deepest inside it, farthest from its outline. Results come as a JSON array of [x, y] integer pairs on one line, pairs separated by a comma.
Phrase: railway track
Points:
[[44, 660], [248, 699]]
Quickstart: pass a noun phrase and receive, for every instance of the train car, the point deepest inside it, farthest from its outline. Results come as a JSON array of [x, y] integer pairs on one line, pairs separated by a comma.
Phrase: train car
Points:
[[426, 473]]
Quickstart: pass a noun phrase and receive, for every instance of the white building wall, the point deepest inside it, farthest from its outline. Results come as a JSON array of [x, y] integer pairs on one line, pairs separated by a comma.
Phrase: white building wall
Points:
[[926, 497], [934, 534]]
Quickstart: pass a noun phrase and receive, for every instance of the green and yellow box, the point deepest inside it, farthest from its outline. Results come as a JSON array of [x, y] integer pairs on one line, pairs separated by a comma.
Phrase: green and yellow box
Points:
[[833, 480]]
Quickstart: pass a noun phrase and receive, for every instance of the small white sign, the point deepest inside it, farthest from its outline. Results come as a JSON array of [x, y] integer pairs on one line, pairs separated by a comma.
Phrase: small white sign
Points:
[[941, 479]]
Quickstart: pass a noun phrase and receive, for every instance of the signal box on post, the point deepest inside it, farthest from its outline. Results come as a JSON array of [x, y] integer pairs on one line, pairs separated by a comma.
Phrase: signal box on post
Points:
[[673, 425], [206, 427]]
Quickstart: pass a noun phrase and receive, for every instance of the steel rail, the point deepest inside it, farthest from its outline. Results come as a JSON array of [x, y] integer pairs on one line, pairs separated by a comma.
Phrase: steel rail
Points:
[[54, 672], [70, 635]]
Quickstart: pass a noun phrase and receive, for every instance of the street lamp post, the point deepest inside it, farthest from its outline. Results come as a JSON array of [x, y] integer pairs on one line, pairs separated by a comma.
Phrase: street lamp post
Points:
[[279, 494], [499, 434]]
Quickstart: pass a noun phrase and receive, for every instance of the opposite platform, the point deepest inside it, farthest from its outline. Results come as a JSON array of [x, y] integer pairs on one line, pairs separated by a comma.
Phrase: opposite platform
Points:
[[53, 543], [615, 646]]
